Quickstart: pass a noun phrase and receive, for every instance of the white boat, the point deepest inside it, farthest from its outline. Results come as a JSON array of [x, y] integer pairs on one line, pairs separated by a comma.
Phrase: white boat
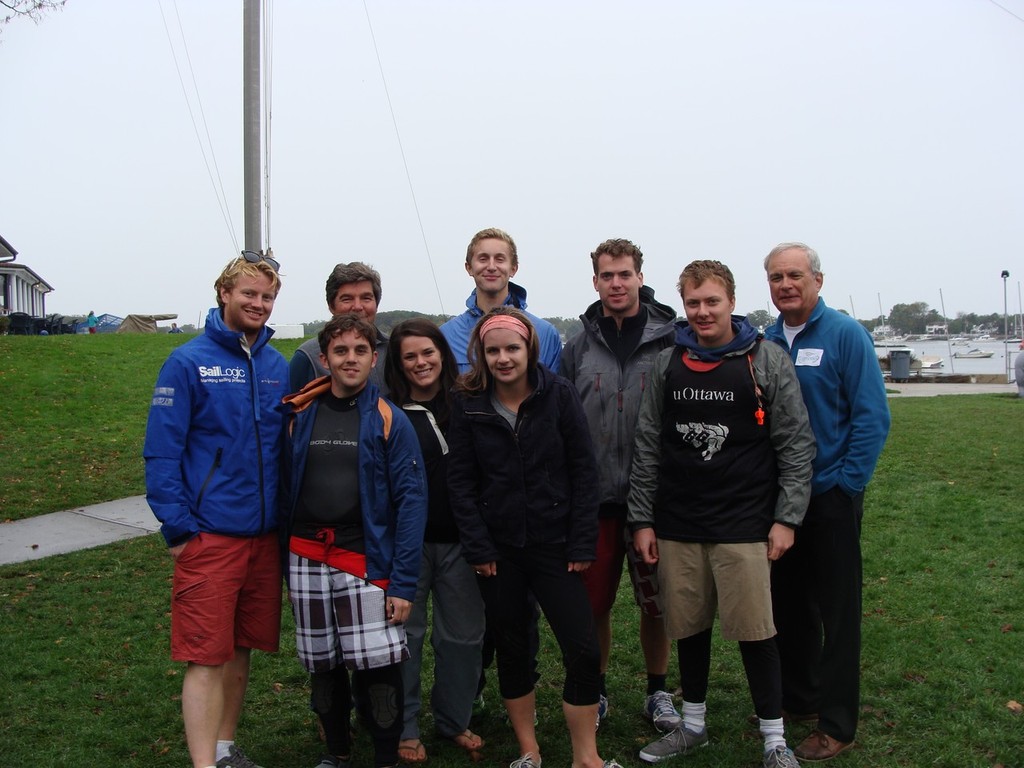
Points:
[[929, 362], [973, 354]]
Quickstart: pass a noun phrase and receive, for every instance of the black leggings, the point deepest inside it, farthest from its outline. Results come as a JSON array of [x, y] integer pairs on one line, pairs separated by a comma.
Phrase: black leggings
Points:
[[379, 699], [760, 661], [563, 599]]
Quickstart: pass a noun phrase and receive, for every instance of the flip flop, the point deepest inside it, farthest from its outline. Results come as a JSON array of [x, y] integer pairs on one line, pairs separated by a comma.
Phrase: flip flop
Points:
[[468, 741], [412, 751]]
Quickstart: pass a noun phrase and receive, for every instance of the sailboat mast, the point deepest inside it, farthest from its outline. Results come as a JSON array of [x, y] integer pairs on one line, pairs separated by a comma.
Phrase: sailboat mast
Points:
[[251, 146]]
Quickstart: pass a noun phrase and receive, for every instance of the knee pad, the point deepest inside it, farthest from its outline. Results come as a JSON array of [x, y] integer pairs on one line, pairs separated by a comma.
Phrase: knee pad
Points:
[[322, 694], [382, 702]]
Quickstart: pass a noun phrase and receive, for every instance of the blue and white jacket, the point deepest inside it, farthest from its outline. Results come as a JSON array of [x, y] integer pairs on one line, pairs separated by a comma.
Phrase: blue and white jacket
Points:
[[458, 330], [842, 386], [214, 435], [392, 485]]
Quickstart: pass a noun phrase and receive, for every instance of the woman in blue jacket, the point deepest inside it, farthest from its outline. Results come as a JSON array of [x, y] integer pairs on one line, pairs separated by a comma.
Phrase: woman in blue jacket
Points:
[[522, 479]]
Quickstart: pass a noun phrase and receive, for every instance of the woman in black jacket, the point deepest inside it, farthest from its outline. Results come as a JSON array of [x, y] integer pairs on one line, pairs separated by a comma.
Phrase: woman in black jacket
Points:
[[522, 480], [420, 372]]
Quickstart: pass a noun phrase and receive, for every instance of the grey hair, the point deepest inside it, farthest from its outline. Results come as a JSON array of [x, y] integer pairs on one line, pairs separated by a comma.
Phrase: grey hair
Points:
[[812, 255]]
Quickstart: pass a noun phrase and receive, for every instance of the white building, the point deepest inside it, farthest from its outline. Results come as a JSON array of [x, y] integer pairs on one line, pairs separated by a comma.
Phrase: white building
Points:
[[21, 289]]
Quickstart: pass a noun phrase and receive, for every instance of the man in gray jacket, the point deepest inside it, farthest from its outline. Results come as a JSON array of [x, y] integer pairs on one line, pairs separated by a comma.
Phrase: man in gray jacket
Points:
[[610, 361]]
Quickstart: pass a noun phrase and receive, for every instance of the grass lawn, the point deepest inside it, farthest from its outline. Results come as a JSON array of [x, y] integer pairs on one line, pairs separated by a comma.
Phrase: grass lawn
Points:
[[87, 680]]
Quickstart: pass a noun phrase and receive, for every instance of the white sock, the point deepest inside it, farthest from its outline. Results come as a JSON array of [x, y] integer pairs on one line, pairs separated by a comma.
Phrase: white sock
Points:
[[773, 732], [693, 715], [224, 749]]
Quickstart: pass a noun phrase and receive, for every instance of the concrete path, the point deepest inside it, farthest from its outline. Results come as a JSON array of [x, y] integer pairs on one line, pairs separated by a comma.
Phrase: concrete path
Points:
[[85, 527], [931, 389], [62, 532]]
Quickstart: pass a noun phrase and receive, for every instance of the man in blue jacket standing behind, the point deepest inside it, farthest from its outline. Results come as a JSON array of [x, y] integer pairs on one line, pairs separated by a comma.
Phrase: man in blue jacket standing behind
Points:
[[492, 261], [816, 588], [212, 451]]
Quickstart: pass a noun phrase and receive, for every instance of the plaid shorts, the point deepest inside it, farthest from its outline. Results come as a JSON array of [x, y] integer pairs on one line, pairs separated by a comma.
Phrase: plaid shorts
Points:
[[339, 619]]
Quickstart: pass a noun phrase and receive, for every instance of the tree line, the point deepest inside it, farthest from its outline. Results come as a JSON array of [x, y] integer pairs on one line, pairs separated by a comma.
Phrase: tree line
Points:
[[903, 319]]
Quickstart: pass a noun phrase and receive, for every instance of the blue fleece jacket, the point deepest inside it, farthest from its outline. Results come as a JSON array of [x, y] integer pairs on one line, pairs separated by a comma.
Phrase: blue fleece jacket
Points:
[[842, 386], [214, 436], [458, 330]]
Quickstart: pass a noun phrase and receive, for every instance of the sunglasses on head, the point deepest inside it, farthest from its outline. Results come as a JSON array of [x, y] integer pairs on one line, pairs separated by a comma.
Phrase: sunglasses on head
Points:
[[254, 258]]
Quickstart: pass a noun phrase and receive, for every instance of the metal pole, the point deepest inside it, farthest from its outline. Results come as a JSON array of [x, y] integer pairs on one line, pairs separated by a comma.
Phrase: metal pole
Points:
[[251, 124], [1006, 328]]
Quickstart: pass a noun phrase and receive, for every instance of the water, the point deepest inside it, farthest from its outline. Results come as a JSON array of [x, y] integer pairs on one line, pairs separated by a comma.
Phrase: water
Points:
[[993, 365]]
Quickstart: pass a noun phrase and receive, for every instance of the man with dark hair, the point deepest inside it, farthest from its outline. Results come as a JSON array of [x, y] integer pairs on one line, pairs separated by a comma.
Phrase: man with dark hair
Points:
[[353, 287], [212, 450], [492, 261], [354, 514], [610, 362], [817, 588], [720, 480]]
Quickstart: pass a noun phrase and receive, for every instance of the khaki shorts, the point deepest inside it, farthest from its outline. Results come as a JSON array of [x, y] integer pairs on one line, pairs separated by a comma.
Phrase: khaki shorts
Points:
[[697, 578]]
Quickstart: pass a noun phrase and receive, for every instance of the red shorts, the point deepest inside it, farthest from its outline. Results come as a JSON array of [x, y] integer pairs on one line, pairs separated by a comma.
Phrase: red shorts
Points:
[[614, 542], [227, 594]]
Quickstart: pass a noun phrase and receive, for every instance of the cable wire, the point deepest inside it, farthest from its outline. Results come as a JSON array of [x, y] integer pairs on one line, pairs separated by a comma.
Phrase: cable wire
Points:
[[401, 149], [214, 174], [1003, 7]]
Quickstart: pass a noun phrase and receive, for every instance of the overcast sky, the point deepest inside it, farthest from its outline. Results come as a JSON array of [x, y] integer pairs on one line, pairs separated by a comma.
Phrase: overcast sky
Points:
[[888, 134]]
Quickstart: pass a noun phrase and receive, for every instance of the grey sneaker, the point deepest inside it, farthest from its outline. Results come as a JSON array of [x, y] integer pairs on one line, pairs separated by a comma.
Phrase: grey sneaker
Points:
[[236, 758], [330, 761], [780, 757], [611, 764], [678, 742], [526, 761], [658, 708], [602, 710]]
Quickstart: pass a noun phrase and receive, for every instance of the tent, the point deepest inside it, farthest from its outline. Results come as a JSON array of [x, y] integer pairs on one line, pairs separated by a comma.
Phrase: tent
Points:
[[142, 323]]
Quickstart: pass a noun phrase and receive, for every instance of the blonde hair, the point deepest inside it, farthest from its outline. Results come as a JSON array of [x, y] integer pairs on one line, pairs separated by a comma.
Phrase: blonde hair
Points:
[[493, 233], [237, 268]]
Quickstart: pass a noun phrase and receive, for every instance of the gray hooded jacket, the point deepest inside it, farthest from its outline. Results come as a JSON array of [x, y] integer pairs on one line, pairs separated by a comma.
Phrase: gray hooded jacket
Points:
[[611, 393]]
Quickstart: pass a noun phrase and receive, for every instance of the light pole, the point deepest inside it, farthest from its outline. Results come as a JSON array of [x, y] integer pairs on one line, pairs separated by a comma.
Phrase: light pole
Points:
[[1006, 327]]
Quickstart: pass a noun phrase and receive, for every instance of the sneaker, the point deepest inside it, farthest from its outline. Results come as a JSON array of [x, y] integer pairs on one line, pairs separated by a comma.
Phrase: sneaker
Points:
[[780, 757], [611, 764], [526, 761], [330, 761], [236, 758], [602, 710], [678, 742], [658, 708]]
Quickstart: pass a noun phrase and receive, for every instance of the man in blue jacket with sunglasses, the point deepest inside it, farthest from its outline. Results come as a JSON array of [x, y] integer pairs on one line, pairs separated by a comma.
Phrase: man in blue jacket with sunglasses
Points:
[[212, 452]]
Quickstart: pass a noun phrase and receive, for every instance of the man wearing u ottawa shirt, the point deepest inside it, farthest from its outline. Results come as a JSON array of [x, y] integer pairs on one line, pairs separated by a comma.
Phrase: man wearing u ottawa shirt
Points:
[[721, 477]]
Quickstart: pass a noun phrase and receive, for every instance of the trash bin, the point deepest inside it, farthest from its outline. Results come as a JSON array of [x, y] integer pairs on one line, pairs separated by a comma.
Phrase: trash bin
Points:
[[899, 364]]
